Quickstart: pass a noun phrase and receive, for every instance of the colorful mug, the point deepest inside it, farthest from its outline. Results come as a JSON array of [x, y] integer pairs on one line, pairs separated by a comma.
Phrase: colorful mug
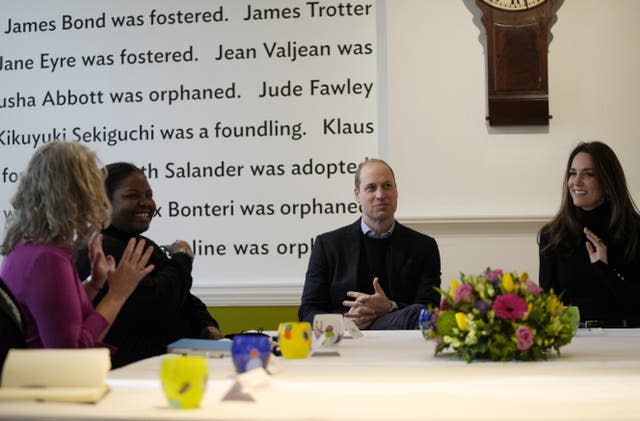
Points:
[[250, 350], [331, 325], [184, 379], [294, 339]]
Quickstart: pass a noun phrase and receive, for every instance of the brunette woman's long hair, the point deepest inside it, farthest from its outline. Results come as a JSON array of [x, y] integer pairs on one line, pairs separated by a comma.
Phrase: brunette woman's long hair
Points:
[[565, 231]]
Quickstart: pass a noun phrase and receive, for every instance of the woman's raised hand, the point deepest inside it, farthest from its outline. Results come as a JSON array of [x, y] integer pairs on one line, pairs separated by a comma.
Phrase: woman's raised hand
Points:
[[131, 268], [596, 248]]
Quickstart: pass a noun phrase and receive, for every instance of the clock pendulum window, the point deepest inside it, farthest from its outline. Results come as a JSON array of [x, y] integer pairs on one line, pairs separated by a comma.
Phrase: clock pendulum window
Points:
[[517, 44]]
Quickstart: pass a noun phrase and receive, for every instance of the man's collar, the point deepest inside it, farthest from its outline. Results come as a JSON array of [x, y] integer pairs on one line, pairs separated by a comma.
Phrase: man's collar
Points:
[[366, 230]]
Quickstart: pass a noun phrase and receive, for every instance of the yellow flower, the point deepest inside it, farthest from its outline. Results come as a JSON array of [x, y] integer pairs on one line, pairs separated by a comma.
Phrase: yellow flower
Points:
[[461, 321], [524, 276], [453, 287], [507, 283], [553, 304]]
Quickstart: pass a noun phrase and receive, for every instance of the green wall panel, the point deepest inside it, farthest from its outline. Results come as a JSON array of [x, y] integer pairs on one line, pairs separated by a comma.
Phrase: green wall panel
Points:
[[237, 319]]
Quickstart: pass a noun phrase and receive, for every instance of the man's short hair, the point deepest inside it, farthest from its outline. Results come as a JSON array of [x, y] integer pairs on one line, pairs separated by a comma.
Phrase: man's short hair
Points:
[[369, 161]]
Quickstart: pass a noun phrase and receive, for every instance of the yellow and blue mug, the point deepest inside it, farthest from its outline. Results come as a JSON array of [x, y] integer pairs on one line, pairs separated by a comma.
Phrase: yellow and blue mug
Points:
[[184, 379]]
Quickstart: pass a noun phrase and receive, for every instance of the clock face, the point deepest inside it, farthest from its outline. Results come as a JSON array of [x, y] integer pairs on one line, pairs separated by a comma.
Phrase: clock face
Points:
[[514, 4]]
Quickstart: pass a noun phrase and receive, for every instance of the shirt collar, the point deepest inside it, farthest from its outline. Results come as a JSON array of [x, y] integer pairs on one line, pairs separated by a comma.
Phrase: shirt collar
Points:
[[366, 230]]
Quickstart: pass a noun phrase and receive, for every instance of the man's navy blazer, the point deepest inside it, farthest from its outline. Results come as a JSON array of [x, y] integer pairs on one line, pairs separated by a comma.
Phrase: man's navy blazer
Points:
[[413, 270]]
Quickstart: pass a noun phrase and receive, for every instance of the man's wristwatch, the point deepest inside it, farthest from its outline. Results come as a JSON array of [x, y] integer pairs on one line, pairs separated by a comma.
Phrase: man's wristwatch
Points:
[[393, 307]]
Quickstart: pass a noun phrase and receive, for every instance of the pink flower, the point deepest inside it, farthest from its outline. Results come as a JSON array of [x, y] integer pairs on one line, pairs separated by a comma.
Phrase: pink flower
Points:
[[510, 306], [533, 288], [524, 335], [464, 293], [494, 275]]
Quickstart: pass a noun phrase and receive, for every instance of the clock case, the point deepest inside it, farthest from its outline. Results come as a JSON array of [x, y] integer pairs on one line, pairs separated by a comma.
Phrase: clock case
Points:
[[517, 46]]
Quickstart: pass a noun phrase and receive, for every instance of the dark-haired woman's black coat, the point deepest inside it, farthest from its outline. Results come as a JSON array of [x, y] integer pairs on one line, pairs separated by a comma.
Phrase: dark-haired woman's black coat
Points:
[[159, 311], [601, 291]]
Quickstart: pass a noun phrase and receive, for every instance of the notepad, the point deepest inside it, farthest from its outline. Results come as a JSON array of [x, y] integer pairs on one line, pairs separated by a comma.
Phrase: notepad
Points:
[[210, 348], [63, 375]]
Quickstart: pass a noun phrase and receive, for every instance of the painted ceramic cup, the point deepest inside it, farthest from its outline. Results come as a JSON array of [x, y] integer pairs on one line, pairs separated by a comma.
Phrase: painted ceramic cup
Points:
[[294, 339], [332, 325], [184, 379], [250, 350]]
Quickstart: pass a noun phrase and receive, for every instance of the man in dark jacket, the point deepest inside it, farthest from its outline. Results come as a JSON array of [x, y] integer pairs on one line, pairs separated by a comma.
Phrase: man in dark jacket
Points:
[[376, 271]]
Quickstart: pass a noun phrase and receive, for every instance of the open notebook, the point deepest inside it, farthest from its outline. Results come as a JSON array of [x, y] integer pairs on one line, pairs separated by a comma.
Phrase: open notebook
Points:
[[64, 375]]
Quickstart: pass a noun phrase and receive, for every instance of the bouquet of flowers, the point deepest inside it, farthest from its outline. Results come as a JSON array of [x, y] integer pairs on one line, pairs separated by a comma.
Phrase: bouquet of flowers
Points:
[[501, 316]]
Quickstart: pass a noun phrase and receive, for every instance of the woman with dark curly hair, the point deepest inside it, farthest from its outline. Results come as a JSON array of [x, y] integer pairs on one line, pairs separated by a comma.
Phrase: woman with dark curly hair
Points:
[[162, 308]]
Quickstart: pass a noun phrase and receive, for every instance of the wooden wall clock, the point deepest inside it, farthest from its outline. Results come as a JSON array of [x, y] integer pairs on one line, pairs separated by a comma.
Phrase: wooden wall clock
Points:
[[517, 43]]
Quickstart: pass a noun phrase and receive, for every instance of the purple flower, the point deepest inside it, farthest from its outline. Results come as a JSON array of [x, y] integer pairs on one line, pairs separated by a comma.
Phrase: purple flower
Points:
[[464, 294], [427, 320], [494, 275], [425, 316], [482, 307], [509, 306], [533, 288], [524, 335]]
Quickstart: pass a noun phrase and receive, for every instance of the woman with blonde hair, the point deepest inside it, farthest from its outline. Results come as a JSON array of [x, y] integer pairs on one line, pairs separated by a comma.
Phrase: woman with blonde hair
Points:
[[59, 205], [590, 251]]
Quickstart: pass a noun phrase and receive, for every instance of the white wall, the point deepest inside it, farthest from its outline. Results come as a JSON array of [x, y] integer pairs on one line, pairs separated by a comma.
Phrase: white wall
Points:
[[251, 231], [484, 192]]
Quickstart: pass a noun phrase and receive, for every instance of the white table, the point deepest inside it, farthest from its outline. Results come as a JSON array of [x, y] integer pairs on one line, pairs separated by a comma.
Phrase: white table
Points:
[[392, 375]]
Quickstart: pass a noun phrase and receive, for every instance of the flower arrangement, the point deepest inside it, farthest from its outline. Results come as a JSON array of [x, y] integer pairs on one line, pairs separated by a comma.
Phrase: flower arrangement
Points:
[[500, 316]]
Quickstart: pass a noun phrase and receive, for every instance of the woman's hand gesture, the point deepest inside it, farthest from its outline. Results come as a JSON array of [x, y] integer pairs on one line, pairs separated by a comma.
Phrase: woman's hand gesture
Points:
[[596, 248], [131, 268]]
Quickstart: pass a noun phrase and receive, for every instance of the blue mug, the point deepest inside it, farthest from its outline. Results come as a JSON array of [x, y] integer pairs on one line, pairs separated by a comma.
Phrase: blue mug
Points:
[[250, 350]]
